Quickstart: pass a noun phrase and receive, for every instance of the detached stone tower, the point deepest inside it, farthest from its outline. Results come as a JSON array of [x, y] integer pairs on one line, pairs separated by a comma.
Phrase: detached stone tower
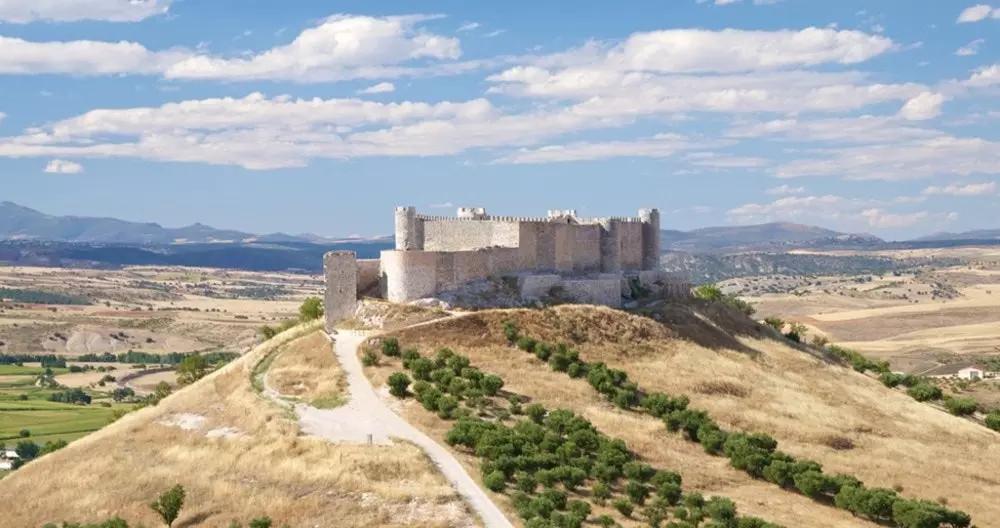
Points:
[[341, 300]]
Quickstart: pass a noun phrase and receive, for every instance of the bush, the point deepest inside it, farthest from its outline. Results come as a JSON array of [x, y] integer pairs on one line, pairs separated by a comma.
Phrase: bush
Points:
[[993, 420], [891, 379], [606, 521], [24, 433], [637, 492], [311, 309], [961, 406], [526, 482], [168, 505], [623, 506], [409, 355], [510, 332], [398, 383], [924, 392], [557, 497], [446, 406], [491, 385], [708, 292], [536, 412], [527, 344], [601, 492], [495, 481], [422, 369], [390, 347], [369, 359]]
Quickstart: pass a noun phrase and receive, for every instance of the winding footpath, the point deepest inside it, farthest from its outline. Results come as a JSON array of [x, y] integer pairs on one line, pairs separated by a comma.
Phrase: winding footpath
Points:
[[366, 414]]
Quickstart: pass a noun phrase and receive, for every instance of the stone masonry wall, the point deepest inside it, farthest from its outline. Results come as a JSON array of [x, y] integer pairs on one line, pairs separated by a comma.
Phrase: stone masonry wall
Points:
[[468, 234], [419, 274], [630, 235], [368, 274], [340, 301], [587, 248]]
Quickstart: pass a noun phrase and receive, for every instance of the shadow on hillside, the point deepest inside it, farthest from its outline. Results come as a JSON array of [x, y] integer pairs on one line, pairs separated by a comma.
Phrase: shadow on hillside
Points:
[[717, 326]]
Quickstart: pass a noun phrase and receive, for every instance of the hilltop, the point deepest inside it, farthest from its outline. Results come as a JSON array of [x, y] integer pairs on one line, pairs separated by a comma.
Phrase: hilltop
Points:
[[770, 236], [748, 380]]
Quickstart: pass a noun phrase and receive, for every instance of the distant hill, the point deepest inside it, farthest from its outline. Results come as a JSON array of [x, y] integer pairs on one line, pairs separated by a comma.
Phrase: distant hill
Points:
[[772, 236], [23, 223], [978, 234]]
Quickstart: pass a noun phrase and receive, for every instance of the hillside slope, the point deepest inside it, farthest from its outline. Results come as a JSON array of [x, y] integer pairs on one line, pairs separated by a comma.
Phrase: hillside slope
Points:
[[747, 381], [238, 456]]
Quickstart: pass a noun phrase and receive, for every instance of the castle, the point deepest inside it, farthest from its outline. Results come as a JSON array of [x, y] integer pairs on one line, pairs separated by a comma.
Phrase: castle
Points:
[[592, 261]]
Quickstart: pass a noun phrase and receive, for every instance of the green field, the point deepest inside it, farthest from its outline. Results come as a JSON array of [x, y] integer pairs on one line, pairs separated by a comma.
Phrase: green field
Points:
[[14, 370], [48, 421]]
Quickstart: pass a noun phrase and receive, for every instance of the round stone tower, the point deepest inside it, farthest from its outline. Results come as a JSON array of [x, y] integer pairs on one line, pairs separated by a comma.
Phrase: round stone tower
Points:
[[409, 235], [650, 238]]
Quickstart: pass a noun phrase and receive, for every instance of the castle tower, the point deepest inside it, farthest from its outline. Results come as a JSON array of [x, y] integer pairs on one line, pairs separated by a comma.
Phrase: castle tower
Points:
[[340, 301], [611, 259], [650, 238], [409, 230]]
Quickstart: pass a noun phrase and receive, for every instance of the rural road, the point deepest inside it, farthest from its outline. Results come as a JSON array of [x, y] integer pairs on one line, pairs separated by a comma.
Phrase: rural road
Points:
[[364, 396], [366, 414]]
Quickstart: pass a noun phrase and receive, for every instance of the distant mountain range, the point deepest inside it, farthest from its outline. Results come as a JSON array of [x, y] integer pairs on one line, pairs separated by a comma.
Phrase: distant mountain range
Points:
[[23, 223], [19, 223]]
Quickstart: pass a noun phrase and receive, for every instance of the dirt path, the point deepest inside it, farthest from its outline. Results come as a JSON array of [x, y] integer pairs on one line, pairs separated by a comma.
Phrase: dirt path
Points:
[[366, 414]]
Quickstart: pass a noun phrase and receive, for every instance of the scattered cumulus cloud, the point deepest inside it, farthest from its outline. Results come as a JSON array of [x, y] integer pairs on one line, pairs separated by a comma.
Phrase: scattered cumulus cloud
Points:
[[883, 220], [926, 105], [382, 87], [786, 189], [971, 48], [495, 33], [25, 11], [972, 189], [978, 13], [58, 166], [985, 76], [469, 26], [444, 205]]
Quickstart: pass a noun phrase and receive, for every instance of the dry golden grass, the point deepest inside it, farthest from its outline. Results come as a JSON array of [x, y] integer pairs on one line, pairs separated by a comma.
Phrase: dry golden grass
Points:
[[800, 399], [307, 370], [374, 314], [268, 469]]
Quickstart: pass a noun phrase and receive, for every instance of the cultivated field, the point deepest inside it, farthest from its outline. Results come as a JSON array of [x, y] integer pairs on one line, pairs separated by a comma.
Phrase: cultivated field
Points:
[[915, 320], [238, 456], [747, 382]]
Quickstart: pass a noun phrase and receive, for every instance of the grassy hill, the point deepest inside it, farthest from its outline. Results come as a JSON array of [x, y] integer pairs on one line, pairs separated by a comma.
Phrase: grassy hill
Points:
[[238, 456], [748, 381]]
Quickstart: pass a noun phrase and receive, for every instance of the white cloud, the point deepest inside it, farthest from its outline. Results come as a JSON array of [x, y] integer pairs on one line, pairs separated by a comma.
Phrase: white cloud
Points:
[[340, 48], [445, 205], [985, 76], [972, 189], [786, 189], [659, 146], [495, 33], [925, 106], [2, 116], [24, 11], [827, 207], [725, 161], [912, 159], [862, 129], [58, 166], [971, 48], [880, 219], [383, 87], [469, 26], [978, 13]]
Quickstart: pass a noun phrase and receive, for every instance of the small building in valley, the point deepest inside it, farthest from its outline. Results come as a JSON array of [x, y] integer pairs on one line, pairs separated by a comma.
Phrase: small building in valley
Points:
[[964, 371]]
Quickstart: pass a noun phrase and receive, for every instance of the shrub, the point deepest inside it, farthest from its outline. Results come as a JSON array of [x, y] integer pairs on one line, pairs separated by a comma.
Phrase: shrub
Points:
[[422, 369], [601, 492], [398, 383], [409, 355], [993, 420], [708, 292], [510, 332], [168, 505], [963, 406], [891, 379], [495, 481], [557, 497], [638, 471], [669, 492], [491, 385], [623, 506], [527, 344], [546, 478], [369, 359], [311, 309], [924, 392], [429, 398], [526, 482], [606, 521], [576, 370], [536, 412], [775, 322], [390, 347], [543, 351], [637, 492], [24, 433], [446, 405], [579, 508]]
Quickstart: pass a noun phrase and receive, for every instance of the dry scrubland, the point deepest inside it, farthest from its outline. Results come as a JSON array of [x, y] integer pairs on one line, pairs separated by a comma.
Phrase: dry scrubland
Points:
[[747, 383], [307, 370], [375, 314], [916, 321], [238, 456], [158, 309]]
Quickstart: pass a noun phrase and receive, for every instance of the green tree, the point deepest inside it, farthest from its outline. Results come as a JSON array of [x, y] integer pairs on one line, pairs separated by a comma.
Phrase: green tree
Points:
[[491, 384], [311, 309], [495, 481], [777, 323], [267, 332], [390, 347], [260, 522], [963, 406], [168, 505], [510, 332], [191, 369], [398, 383]]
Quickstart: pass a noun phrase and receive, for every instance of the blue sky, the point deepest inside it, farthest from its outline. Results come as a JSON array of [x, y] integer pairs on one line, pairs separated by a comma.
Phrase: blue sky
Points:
[[859, 115]]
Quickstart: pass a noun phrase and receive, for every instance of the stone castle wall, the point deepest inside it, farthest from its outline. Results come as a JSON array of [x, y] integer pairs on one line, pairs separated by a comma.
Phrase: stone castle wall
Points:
[[468, 235], [340, 300], [369, 271], [419, 274]]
